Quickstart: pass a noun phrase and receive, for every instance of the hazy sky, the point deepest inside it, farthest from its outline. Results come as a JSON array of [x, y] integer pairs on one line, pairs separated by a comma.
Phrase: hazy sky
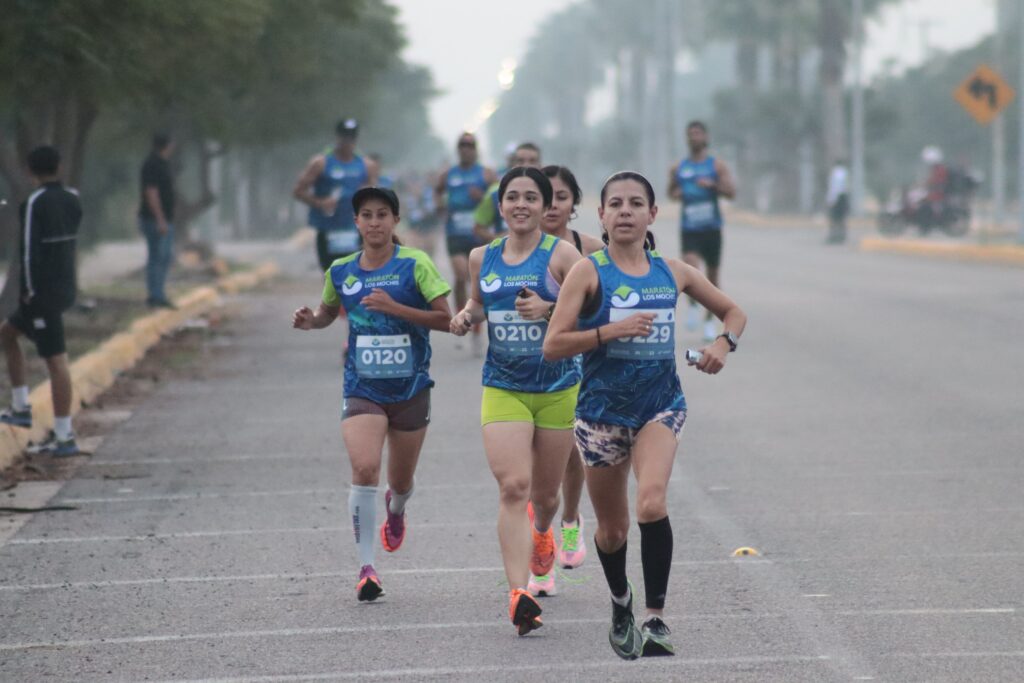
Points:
[[465, 41]]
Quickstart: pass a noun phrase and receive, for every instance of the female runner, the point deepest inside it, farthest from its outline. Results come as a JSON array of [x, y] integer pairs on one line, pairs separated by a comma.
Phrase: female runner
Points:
[[617, 307], [528, 403], [393, 296]]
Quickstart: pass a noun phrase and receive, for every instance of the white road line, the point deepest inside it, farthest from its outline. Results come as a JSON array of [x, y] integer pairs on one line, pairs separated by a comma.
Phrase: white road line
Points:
[[228, 459], [665, 662], [953, 655], [111, 583], [200, 495], [227, 532]]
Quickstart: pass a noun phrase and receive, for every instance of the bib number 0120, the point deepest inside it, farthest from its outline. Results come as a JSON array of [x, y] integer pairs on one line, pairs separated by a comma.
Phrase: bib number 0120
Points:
[[383, 356]]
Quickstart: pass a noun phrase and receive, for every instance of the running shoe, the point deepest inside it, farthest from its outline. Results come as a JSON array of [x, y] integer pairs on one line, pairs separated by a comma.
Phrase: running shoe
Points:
[[655, 637], [18, 418], [542, 586], [572, 550], [710, 331], [392, 531], [625, 638], [693, 317], [543, 557], [369, 588], [51, 445], [524, 611]]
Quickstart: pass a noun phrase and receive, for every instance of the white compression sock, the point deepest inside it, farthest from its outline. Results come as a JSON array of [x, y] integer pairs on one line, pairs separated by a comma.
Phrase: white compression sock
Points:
[[62, 428], [398, 500], [362, 506], [19, 398]]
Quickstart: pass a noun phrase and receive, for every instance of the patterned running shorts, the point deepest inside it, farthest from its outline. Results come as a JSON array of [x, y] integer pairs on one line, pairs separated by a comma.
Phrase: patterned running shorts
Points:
[[605, 445]]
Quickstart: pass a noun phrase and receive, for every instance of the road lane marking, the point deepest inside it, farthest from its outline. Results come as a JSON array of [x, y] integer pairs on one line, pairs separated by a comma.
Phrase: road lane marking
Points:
[[665, 662]]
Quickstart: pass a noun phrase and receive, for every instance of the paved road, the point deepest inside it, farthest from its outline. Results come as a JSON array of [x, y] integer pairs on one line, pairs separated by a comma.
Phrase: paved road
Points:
[[865, 439]]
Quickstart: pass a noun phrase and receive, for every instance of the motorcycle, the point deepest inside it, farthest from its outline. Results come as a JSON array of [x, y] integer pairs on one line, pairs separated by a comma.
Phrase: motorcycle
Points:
[[912, 207]]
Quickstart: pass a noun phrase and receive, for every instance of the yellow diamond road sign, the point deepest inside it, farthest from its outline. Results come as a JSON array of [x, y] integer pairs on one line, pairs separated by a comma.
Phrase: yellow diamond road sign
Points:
[[984, 94]]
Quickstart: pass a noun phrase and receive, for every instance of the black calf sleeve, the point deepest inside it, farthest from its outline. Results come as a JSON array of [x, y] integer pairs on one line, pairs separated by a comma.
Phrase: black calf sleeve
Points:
[[614, 565], [656, 555]]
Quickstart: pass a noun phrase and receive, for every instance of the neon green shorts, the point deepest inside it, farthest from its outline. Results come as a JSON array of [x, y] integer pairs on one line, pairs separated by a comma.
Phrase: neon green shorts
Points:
[[555, 410]]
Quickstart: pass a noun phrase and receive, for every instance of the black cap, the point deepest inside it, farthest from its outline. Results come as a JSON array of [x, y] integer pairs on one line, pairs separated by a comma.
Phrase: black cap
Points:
[[347, 128], [382, 193]]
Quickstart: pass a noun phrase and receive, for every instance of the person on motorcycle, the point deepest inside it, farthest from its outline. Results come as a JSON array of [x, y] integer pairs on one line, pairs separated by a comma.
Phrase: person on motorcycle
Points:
[[936, 185]]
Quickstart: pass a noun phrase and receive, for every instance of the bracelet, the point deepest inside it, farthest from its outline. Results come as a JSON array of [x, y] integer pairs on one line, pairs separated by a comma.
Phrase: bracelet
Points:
[[598, 330]]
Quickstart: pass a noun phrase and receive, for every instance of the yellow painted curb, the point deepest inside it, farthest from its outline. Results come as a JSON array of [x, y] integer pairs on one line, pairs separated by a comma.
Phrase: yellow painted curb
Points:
[[95, 372], [1006, 254]]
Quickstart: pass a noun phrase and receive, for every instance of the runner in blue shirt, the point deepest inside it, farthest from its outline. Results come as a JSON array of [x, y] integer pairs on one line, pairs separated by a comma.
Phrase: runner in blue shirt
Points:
[[617, 308], [698, 181], [458, 191], [394, 296], [528, 403]]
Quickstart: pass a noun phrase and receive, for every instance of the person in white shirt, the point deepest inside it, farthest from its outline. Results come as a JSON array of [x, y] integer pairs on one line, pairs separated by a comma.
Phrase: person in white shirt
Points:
[[838, 202]]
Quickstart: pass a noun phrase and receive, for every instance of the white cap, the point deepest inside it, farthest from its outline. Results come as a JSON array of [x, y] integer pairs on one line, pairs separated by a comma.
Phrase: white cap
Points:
[[931, 155]]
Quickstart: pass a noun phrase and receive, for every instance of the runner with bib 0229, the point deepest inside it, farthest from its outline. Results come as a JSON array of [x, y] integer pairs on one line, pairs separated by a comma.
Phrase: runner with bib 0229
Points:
[[528, 403], [617, 307], [394, 296]]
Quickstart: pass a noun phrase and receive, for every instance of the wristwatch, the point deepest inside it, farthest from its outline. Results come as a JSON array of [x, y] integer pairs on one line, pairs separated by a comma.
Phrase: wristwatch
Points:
[[731, 338]]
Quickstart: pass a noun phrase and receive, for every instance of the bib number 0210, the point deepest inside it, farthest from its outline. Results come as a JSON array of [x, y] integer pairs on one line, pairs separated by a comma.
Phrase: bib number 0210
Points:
[[510, 333]]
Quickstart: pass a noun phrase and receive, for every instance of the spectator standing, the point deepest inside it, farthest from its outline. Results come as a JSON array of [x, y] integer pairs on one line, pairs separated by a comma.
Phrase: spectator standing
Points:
[[156, 218], [838, 201]]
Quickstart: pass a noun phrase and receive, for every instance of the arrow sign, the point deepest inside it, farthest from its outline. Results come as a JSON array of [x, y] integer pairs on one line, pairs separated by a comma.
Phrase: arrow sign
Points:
[[984, 94], [982, 89]]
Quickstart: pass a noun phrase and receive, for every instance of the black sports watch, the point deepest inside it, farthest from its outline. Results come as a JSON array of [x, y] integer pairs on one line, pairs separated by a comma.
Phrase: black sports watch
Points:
[[730, 338]]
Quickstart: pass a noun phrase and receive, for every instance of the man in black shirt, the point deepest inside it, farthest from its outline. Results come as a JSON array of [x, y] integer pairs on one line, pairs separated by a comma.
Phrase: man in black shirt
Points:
[[49, 229], [156, 215]]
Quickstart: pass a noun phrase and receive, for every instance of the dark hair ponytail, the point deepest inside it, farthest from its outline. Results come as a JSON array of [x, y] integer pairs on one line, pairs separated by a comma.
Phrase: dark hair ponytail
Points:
[[534, 174], [395, 240], [648, 240]]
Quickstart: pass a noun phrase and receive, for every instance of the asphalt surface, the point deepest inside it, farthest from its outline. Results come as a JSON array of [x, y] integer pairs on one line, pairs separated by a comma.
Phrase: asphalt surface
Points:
[[865, 439]]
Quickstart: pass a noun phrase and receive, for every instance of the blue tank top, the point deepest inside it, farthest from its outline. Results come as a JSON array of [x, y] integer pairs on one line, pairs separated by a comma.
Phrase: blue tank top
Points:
[[388, 358], [515, 360], [700, 204], [460, 203], [629, 381], [340, 179]]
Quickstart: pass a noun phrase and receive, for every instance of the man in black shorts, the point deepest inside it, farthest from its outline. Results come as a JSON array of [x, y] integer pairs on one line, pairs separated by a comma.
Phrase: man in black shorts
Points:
[[699, 180], [49, 228]]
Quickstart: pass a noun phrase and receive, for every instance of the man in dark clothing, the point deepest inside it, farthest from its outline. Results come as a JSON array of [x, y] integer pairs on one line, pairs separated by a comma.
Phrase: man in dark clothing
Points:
[[49, 229], [156, 215]]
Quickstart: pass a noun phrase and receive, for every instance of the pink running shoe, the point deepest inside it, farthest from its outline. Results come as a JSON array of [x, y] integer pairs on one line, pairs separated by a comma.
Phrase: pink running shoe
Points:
[[572, 550], [392, 531], [542, 586], [369, 587]]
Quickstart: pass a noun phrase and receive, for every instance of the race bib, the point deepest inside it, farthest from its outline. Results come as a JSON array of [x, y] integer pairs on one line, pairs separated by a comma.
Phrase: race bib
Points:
[[509, 333], [342, 241], [463, 222], [699, 214], [384, 356], [660, 344]]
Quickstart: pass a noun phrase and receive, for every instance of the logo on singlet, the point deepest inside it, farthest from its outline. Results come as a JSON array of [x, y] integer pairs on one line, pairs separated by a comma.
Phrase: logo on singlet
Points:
[[625, 297], [351, 285], [490, 284]]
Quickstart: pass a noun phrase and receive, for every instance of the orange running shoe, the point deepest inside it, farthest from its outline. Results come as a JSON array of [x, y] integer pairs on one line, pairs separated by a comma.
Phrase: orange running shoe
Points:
[[543, 557], [524, 611]]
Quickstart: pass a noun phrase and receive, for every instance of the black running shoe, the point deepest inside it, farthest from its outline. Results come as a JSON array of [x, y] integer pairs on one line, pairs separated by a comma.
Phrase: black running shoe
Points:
[[524, 611], [655, 636], [624, 636]]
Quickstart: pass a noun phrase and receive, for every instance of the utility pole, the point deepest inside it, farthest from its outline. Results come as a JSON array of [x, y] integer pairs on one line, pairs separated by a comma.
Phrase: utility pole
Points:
[[1020, 138], [999, 125], [857, 115]]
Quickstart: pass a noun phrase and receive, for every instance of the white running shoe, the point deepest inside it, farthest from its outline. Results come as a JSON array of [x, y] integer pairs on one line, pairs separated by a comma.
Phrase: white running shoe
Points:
[[710, 331], [572, 550], [693, 317]]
